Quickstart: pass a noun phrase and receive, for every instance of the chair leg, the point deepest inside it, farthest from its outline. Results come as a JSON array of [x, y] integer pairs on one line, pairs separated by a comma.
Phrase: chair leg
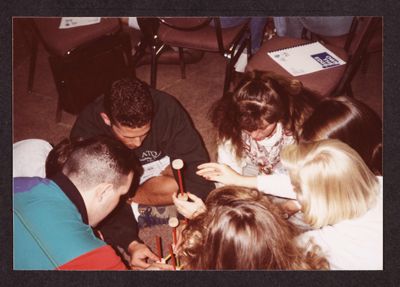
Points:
[[140, 50], [249, 53], [58, 111], [249, 46], [32, 63], [55, 68], [127, 53], [349, 91], [153, 67], [364, 63], [182, 63], [228, 75]]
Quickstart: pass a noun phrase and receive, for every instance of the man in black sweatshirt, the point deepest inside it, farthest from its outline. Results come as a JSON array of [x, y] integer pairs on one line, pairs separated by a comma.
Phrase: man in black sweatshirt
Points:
[[158, 130]]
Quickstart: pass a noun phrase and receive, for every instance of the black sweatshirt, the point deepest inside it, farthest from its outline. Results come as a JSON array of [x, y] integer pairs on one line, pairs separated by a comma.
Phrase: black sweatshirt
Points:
[[172, 133]]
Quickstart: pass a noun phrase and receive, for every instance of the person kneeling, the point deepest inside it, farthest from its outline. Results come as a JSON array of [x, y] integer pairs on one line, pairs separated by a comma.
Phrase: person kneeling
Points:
[[53, 218]]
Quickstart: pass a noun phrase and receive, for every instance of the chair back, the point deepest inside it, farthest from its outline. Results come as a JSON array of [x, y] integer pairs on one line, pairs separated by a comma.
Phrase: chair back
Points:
[[197, 33], [357, 47], [150, 25], [362, 34], [195, 23], [185, 23], [339, 40]]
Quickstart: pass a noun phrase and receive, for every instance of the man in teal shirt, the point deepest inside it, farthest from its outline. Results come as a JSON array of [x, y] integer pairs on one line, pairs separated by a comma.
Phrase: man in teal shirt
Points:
[[53, 218]]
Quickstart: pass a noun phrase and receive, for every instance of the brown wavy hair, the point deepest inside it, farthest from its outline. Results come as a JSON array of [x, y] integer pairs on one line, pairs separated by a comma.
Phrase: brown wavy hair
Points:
[[259, 96], [242, 229], [350, 121]]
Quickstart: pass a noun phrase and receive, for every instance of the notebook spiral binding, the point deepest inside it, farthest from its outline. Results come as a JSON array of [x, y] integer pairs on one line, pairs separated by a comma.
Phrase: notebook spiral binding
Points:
[[294, 46]]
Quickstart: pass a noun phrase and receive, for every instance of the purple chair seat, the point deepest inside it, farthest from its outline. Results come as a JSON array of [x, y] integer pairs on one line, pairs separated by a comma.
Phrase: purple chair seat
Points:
[[72, 37]]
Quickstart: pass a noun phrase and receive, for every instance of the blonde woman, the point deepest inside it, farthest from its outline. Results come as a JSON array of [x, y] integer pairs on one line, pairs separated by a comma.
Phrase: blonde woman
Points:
[[341, 199]]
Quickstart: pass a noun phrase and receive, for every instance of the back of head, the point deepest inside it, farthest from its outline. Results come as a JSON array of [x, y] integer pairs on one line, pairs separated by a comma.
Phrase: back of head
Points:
[[58, 156], [331, 180], [242, 230], [350, 121], [129, 103], [101, 159], [259, 97]]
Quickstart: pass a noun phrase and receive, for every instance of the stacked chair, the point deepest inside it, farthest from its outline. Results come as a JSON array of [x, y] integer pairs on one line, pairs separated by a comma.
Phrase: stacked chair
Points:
[[84, 60]]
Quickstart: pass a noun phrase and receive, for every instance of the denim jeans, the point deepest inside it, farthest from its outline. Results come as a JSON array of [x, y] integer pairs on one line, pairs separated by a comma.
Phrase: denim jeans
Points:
[[256, 28], [327, 26]]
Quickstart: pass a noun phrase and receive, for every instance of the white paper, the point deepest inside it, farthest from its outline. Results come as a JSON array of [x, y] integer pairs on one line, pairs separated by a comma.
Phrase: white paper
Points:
[[154, 168], [306, 59], [72, 22]]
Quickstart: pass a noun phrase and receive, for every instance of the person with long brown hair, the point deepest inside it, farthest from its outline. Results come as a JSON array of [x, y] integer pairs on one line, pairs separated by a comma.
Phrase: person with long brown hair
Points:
[[265, 112], [351, 121], [241, 229], [342, 118]]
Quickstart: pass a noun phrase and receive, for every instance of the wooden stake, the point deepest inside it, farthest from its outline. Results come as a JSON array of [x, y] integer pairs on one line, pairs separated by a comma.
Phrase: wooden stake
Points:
[[172, 257], [174, 235], [173, 222], [159, 250]]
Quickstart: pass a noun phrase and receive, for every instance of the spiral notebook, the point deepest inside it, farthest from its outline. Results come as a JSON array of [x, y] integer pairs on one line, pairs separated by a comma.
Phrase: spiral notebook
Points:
[[306, 59]]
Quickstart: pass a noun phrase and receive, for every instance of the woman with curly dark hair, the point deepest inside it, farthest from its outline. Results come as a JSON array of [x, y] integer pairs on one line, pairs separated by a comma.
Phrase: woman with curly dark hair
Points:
[[265, 113]]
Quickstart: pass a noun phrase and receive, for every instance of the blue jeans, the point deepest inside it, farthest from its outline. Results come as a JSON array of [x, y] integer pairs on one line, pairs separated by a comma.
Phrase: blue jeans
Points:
[[327, 26], [256, 28]]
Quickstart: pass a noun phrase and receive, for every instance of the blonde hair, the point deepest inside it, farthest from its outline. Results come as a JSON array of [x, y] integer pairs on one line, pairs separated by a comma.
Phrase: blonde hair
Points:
[[242, 229], [331, 180]]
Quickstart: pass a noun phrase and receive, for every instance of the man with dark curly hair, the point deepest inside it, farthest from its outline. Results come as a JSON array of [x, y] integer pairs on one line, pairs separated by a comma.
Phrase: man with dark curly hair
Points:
[[158, 130]]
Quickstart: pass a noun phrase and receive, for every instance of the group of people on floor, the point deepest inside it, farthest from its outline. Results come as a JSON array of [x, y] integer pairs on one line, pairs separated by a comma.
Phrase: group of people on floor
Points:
[[276, 140], [297, 184]]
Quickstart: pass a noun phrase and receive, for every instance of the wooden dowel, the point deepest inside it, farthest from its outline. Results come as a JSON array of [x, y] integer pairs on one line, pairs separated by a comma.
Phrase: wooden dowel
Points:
[[180, 182], [172, 257], [167, 257], [174, 235], [159, 250]]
